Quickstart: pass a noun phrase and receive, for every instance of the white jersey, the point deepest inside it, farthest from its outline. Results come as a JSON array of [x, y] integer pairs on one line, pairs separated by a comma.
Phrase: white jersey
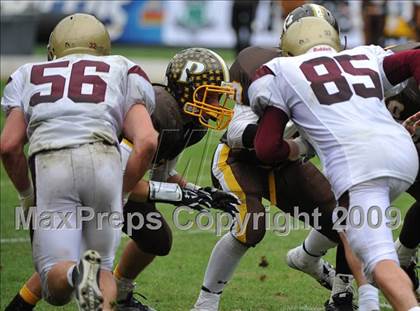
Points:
[[337, 100], [76, 99]]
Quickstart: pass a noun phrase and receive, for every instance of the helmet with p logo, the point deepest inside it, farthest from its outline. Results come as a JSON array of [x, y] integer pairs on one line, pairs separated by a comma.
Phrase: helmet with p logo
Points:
[[194, 77]]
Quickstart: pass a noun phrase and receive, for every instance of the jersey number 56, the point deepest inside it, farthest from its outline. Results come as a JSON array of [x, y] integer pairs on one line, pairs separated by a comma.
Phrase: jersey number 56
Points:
[[77, 79]]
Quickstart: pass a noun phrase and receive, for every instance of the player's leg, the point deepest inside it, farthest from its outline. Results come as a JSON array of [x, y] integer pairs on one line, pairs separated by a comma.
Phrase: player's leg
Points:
[[246, 181], [303, 186], [371, 239], [55, 197], [147, 241], [368, 294], [28, 296], [409, 239], [99, 167]]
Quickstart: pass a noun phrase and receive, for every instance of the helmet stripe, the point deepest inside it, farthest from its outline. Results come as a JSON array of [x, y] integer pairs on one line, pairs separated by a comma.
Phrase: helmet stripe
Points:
[[224, 66]]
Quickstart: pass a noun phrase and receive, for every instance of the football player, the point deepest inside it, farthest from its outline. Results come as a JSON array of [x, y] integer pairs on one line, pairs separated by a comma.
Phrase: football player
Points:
[[184, 109], [72, 110], [336, 99], [403, 106], [286, 184]]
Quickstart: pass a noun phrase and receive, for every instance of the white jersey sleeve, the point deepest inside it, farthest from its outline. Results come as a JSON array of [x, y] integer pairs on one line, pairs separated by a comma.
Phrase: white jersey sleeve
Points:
[[264, 91], [242, 117], [139, 89], [388, 88], [12, 94]]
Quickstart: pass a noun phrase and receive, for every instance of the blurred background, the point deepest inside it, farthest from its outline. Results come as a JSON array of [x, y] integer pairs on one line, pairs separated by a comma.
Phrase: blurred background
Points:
[[142, 28]]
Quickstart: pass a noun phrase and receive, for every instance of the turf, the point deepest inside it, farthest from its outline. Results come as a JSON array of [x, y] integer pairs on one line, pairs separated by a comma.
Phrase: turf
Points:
[[151, 52], [172, 283]]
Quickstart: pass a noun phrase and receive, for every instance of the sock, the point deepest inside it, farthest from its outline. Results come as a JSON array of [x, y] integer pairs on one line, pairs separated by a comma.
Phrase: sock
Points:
[[405, 254], [316, 244], [342, 267], [415, 309], [342, 283], [368, 298], [28, 296], [223, 261], [124, 285], [19, 303], [71, 275]]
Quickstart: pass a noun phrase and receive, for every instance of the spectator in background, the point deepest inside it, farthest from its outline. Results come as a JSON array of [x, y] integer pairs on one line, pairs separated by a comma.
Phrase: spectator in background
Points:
[[289, 6], [243, 14], [374, 16]]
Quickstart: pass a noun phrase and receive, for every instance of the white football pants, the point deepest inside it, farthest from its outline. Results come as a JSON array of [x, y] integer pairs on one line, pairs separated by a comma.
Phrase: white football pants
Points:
[[78, 201]]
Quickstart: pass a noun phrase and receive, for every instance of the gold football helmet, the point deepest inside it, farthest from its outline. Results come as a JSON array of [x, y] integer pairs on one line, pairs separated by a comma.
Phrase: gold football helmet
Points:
[[197, 78], [307, 26], [79, 33]]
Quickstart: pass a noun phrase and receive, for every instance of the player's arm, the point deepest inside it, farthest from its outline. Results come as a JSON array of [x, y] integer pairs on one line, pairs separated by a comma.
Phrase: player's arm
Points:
[[400, 66], [218, 199], [242, 128], [266, 100], [138, 128], [12, 141]]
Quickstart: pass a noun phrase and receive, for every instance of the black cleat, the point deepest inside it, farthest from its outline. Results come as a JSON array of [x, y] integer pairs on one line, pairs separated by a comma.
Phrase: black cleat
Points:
[[86, 282], [132, 304], [341, 302], [18, 304]]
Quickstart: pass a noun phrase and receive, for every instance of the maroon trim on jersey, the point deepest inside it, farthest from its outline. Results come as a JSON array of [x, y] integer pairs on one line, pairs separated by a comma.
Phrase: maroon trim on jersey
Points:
[[261, 72], [9, 80], [137, 70], [269, 143], [401, 66]]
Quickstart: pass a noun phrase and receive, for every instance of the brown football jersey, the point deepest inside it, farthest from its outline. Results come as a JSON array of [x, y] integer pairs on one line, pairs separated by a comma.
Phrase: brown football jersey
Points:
[[407, 102], [245, 65], [177, 131]]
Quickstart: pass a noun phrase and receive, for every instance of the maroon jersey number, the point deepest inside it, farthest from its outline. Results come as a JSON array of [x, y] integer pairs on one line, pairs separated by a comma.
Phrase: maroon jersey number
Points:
[[333, 74], [77, 79]]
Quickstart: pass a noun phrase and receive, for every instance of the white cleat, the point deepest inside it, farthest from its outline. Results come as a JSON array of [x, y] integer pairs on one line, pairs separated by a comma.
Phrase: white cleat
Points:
[[207, 302], [87, 292], [318, 268]]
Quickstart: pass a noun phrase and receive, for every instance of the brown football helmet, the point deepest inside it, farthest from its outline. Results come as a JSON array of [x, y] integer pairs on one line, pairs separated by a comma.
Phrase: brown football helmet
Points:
[[198, 79]]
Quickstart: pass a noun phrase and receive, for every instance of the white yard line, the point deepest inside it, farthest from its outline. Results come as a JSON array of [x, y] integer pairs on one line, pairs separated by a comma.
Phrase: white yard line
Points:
[[14, 240]]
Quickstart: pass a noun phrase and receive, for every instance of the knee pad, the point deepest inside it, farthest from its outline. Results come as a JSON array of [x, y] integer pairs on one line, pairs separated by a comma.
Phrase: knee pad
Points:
[[154, 236]]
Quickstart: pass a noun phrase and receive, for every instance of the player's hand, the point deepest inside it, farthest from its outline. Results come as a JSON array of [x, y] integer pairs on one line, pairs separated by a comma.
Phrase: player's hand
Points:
[[222, 200], [412, 124], [197, 199], [27, 199]]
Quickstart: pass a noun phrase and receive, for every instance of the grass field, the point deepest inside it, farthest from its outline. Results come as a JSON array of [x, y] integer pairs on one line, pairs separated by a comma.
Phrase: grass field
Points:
[[172, 283]]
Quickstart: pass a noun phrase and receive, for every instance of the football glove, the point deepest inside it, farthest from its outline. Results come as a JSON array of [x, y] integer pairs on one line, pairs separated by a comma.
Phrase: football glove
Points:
[[222, 200], [412, 124], [194, 198], [198, 199]]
